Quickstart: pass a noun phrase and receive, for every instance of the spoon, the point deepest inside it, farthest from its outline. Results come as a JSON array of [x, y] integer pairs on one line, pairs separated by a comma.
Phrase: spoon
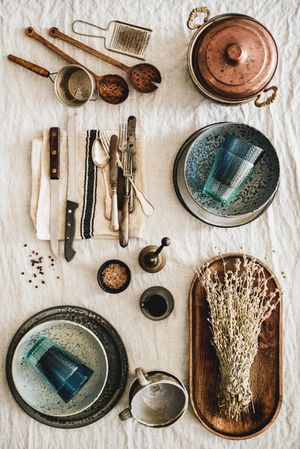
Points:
[[100, 158], [111, 88], [142, 76]]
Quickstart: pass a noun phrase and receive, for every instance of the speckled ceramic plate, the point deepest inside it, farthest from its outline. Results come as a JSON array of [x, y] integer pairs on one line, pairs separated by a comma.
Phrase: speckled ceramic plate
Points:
[[195, 209], [116, 356], [260, 186], [80, 342]]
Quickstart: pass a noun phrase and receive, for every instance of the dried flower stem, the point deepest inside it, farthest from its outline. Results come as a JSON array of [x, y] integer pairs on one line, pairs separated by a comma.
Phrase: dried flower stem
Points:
[[238, 304]]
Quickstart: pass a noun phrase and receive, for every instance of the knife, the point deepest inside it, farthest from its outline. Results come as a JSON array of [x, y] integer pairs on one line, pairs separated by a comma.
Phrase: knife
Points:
[[131, 123], [54, 189], [72, 201], [113, 178]]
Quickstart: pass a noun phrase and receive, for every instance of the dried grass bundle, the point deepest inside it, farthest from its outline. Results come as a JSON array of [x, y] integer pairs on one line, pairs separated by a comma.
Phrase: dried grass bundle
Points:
[[239, 301]]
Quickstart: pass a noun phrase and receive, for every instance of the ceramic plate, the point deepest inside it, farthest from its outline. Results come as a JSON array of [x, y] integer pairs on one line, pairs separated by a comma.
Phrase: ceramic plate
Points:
[[195, 209], [116, 356], [259, 188], [80, 342]]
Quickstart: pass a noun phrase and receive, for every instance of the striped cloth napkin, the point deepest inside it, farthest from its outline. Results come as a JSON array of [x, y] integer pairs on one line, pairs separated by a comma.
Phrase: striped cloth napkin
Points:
[[90, 220]]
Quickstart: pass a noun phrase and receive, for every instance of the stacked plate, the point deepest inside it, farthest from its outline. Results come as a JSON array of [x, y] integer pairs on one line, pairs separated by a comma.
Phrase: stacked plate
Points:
[[89, 337], [192, 166]]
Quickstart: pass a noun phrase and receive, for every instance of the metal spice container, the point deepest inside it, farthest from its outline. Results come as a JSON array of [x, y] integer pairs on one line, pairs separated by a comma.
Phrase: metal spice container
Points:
[[232, 58]]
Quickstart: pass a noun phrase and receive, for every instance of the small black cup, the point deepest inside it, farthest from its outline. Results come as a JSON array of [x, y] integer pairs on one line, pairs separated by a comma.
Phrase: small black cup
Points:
[[157, 303], [102, 283]]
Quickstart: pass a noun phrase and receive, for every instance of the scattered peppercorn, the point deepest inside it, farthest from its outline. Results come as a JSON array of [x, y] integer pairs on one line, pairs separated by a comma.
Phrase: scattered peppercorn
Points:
[[25, 244]]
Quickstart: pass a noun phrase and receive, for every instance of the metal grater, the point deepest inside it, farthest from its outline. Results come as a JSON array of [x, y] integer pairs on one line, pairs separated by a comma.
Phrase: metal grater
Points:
[[125, 38]]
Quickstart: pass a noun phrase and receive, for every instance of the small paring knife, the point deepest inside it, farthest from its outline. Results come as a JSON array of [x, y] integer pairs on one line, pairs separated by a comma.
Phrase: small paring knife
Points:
[[54, 188], [72, 200]]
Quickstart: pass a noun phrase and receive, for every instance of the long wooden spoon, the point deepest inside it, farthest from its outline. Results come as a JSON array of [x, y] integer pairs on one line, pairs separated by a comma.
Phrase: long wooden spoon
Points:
[[111, 88], [142, 76]]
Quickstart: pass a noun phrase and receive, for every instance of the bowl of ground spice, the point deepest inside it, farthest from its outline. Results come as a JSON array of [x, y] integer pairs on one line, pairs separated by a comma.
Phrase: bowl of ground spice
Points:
[[114, 276]]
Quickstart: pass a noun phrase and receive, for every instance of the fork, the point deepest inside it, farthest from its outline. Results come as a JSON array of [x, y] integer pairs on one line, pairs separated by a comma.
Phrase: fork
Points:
[[126, 166]]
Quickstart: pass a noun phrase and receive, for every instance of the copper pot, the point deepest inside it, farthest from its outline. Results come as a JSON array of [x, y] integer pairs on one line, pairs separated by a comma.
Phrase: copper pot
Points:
[[232, 58]]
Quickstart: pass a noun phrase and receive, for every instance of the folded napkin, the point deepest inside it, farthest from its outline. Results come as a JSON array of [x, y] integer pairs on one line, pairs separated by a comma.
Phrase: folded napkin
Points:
[[90, 220]]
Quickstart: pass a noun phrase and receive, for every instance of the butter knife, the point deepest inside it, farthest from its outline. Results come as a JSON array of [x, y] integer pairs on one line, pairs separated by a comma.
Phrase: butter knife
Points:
[[54, 189], [72, 201], [131, 123], [113, 178]]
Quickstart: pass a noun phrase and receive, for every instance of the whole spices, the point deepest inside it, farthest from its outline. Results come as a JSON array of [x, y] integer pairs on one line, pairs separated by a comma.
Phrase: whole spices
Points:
[[114, 276]]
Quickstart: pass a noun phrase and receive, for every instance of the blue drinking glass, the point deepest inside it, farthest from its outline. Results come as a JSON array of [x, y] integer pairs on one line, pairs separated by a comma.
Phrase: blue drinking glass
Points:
[[231, 168], [63, 372]]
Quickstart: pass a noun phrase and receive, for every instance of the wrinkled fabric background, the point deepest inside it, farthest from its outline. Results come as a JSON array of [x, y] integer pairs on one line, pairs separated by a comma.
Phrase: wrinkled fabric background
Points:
[[168, 117]]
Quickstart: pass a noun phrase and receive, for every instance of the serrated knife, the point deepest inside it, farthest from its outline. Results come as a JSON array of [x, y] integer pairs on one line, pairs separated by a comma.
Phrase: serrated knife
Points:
[[72, 200], [54, 188]]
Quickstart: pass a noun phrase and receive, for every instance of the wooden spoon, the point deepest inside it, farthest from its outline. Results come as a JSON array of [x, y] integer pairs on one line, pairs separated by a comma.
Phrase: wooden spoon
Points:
[[142, 76], [111, 88]]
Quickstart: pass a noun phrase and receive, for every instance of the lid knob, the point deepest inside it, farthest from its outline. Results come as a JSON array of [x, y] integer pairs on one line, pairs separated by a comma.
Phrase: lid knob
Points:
[[235, 54]]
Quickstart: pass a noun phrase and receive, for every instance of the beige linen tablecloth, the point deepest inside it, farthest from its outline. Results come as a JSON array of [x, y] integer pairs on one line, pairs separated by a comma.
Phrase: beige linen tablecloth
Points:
[[167, 117]]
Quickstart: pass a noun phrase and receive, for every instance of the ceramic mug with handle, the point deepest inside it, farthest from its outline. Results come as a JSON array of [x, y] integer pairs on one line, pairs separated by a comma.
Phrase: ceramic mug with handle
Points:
[[156, 399]]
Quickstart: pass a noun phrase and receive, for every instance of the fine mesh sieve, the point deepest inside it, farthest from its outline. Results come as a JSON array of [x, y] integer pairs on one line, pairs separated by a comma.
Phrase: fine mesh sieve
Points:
[[74, 85]]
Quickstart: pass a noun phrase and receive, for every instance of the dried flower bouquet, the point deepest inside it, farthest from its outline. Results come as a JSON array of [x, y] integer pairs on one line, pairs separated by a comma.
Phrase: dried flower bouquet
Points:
[[239, 301]]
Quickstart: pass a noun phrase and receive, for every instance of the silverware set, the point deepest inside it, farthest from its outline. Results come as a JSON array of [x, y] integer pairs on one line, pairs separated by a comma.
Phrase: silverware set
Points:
[[121, 155]]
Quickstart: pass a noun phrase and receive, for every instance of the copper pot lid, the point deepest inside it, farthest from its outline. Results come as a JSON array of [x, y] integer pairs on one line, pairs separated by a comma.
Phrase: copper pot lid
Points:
[[235, 56]]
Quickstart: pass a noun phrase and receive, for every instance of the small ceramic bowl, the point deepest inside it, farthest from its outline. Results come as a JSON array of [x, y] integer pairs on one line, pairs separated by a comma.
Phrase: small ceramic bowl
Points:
[[101, 281]]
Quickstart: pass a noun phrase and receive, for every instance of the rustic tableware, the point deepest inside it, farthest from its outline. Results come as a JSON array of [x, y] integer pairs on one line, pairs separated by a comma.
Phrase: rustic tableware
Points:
[[116, 356], [266, 371], [82, 343], [101, 280], [152, 258], [192, 206], [260, 186], [157, 303], [73, 84], [111, 88], [157, 399], [142, 76], [232, 58]]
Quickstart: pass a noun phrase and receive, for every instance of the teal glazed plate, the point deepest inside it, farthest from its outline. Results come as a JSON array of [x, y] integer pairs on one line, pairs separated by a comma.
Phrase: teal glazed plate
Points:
[[259, 188], [188, 202], [81, 343], [96, 329]]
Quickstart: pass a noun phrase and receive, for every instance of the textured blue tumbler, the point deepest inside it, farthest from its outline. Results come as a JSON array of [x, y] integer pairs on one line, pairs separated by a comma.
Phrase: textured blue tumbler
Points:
[[63, 372]]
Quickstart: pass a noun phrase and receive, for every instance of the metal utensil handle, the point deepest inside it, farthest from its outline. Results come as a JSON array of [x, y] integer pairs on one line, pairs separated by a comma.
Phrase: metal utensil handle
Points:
[[269, 100], [124, 225], [30, 66], [125, 414], [194, 14], [146, 206], [92, 25], [54, 32], [142, 377]]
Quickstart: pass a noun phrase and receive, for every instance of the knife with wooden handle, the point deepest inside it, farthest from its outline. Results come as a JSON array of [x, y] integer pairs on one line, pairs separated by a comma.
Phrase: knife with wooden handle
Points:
[[72, 201], [54, 188], [113, 178]]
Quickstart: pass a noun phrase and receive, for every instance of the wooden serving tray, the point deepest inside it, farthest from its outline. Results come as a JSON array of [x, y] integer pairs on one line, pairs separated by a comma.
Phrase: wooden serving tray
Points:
[[266, 373]]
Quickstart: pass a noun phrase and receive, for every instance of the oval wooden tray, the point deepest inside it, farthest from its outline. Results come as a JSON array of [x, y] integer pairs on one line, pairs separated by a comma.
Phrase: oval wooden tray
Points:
[[266, 373]]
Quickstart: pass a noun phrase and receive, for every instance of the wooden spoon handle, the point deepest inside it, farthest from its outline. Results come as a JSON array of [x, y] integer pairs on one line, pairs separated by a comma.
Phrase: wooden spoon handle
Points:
[[54, 32], [30, 66], [30, 32]]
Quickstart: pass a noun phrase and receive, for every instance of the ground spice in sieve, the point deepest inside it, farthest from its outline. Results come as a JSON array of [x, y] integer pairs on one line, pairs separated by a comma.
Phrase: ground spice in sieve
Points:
[[114, 276]]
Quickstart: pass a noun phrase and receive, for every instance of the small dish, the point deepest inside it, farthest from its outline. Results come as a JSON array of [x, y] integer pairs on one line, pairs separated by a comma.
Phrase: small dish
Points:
[[156, 303], [81, 342], [111, 273]]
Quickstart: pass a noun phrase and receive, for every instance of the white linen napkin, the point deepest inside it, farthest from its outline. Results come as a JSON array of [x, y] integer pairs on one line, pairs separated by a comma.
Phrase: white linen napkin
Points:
[[90, 220]]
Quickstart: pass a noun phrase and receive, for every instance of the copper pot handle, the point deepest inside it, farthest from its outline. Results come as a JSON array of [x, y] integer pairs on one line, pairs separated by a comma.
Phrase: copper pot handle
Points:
[[194, 14], [269, 100]]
